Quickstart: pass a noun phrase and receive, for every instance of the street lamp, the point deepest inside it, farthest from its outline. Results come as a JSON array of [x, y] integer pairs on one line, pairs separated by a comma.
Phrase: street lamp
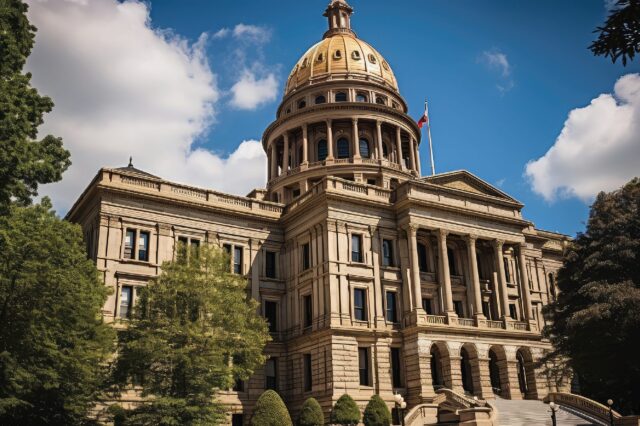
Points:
[[554, 408], [400, 405], [610, 403]]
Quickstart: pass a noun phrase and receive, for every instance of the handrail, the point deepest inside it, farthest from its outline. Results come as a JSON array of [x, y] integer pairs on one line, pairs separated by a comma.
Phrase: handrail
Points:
[[461, 400], [581, 403]]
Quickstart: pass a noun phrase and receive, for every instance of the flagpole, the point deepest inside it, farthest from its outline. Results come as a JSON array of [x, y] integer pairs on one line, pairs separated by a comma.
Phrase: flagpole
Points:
[[426, 111]]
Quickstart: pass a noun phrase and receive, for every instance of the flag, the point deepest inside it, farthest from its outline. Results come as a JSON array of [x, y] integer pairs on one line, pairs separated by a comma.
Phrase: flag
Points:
[[423, 120]]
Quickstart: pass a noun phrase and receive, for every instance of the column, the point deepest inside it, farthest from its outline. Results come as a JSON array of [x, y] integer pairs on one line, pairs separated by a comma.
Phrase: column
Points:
[[329, 141], [417, 154], [379, 139], [398, 145], [412, 154], [445, 273], [475, 277], [412, 231], [285, 154], [305, 145], [274, 160], [502, 279], [377, 286], [356, 139], [524, 284]]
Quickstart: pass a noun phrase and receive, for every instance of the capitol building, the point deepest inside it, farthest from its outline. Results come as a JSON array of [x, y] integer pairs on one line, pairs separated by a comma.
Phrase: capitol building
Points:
[[374, 279]]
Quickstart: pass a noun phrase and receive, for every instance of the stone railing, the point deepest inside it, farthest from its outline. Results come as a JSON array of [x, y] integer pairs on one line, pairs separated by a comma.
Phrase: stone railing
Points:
[[515, 325], [436, 319], [466, 322], [459, 400], [495, 324], [587, 406]]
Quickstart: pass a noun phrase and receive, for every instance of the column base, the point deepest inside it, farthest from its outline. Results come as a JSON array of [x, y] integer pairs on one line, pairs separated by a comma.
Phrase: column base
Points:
[[452, 318]]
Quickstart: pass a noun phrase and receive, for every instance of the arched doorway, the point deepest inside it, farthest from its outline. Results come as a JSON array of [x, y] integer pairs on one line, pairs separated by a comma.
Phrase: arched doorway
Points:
[[437, 376], [465, 369], [494, 372], [522, 374], [526, 374]]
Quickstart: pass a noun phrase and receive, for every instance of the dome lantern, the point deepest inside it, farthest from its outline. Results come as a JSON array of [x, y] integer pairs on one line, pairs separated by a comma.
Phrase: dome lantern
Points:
[[338, 14]]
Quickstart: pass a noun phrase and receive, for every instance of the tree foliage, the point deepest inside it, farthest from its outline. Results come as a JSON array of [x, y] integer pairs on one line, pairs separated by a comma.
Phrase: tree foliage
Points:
[[595, 324], [376, 413], [194, 331], [311, 413], [620, 36], [53, 344], [24, 162], [345, 411], [270, 411]]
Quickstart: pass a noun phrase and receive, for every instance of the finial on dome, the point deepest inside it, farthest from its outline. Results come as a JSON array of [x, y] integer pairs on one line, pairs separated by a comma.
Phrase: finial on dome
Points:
[[338, 14], [130, 161]]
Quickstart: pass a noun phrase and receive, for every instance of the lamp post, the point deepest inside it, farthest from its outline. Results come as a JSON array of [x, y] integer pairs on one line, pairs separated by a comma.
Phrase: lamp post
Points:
[[610, 403], [554, 408], [400, 405]]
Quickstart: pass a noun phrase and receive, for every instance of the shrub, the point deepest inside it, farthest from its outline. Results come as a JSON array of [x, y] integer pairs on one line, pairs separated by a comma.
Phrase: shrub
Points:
[[311, 414], [377, 413], [270, 411], [345, 412]]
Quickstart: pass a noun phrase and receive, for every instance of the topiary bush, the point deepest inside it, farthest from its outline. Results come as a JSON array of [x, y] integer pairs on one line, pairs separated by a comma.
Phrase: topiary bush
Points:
[[345, 412], [377, 413], [311, 414], [270, 411]]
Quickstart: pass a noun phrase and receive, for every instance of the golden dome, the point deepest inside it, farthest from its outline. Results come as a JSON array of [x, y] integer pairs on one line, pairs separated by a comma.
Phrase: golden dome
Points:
[[340, 55]]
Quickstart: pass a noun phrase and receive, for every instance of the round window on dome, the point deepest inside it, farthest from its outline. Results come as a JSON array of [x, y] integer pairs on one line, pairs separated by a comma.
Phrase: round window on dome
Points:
[[385, 65], [355, 55], [372, 58], [337, 54], [304, 63], [320, 57]]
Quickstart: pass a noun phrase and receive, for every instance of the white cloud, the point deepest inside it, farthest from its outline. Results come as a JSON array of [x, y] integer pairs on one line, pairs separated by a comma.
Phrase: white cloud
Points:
[[250, 92], [122, 88], [221, 33], [597, 150], [498, 61], [250, 33]]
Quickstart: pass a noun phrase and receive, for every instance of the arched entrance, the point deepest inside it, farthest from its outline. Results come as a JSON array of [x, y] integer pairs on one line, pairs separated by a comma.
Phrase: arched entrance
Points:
[[526, 374], [437, 376], [494, 372], [465, 369]]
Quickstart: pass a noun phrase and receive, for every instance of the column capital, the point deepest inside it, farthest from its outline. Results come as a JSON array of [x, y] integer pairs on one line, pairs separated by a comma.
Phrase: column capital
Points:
[[412, 229], [328, 121], [442, 233], [354, 120], [471, 238], [285, 135], [379, 123], [498, 244]]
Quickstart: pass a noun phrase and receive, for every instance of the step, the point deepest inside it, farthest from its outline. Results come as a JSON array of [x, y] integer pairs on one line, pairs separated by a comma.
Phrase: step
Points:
[[532, 412]]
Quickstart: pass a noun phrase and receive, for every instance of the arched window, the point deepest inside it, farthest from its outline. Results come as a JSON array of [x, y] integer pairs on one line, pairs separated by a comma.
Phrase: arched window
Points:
[[355, 55], [385, 150], [494, 372], [337, 54], [436, 368], [320, 99], [364, 148], [322, 150], [381, 100], [465, 369], [361, 97], [522, 373], [343, 148], [302, 104], [341, 97]]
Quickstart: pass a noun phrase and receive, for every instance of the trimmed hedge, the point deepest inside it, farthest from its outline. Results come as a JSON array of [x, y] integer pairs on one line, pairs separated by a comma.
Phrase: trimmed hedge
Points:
[[270, 411], [377, 413], [311, 414], [345, 412]]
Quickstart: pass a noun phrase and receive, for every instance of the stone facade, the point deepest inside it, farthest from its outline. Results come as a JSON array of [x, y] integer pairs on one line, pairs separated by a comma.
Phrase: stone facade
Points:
[[376, 280]]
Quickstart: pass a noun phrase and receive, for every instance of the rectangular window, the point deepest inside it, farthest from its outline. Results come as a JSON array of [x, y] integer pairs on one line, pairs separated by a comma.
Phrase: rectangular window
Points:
[[387, 253], [237, 260], [356, 248], [237, 420], [296, 193], [308, 311], [481, 273], [507, 271], [306, 257], [360, 304], [126, 294], [363, 366], [271, 374], [181, 251], [143, 246], [129, 239], [486, 309], [452, 262], [270, 267], [271, 315], [227, 248], [422, 258], [396, 375], [308, 378], [372, 182], [513, 311], [195, 248], [458, 307], [392, 315], [427, 305]]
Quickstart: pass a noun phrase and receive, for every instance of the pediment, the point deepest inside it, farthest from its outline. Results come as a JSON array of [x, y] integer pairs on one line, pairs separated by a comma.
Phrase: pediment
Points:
[[465, 181]]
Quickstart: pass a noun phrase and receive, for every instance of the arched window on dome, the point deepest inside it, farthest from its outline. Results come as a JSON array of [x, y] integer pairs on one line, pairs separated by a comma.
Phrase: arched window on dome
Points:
[[302, 104], [337, 54], [364, 148], [381, 100], [320, 99], [341, 97], [343, 148], [385, 151], [361, 97], [322, 150]]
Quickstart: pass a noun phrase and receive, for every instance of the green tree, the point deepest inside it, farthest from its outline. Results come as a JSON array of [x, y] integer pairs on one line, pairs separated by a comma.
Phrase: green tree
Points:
[[53, 344], [270, 411], [195, 331], [345, 411], [24, 162], [620, 35], [376, 413], [311, 413], [595, 321]]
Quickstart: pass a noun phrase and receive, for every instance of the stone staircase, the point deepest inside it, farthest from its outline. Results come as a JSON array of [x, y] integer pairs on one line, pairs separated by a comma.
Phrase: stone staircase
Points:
[[531, 412]]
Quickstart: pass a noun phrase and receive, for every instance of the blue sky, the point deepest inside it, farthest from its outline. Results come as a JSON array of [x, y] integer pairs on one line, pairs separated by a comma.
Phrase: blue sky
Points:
[[501, 78]]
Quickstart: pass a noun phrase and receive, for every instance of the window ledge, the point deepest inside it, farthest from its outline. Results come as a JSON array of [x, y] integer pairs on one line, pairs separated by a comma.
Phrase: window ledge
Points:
[[137, 262]]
